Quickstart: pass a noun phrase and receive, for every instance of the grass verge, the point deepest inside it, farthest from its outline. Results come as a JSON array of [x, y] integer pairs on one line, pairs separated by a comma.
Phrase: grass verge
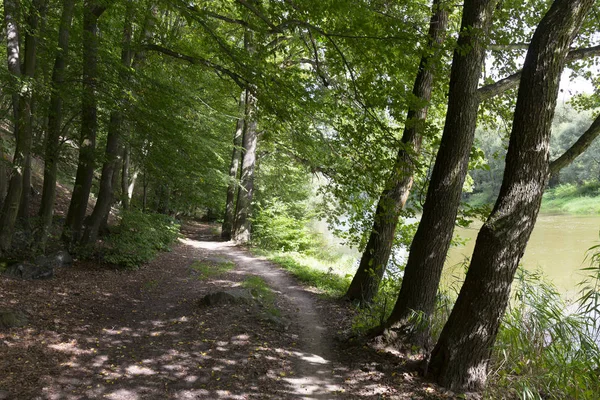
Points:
[[207, 270]]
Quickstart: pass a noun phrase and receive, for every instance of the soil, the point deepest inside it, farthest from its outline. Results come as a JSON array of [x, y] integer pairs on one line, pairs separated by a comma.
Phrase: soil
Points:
[[95, 332]]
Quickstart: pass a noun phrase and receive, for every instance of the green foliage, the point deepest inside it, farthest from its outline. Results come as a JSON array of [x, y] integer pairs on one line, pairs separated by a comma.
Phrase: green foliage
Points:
[[139, 237], [573, 199], [548, 348], [210, 269]]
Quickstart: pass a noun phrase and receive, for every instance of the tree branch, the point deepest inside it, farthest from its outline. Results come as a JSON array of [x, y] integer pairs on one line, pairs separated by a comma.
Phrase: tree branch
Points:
[[240, 81], [581, 145], [510, 82]]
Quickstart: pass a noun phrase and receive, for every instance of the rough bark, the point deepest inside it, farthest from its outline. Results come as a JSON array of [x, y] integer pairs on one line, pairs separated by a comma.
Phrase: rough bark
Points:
[[432, 240], [89, 125], [55, 116], [374, 260], [226, 229], [461, 356], [10, 207], [113, 143]]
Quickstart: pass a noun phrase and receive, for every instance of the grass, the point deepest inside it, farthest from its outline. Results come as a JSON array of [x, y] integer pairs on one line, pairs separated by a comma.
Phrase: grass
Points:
[[573, 199], [262, 292], [208, 270], [330, 276]]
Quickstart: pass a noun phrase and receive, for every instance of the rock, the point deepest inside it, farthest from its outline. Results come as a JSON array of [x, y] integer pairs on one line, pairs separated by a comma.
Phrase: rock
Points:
[[12, 319], [231, 296], [27, 270], [62, 259]]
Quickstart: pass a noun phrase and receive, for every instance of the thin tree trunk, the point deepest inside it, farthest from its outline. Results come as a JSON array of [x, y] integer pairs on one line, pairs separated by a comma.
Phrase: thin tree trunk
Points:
[[89, 125], [242, 224], [125, 198], [113, 143], [374, 260], [460, 358], [55, 116], [37, 11], [3, 174], [10, 207], [226, 230], [432, 240]]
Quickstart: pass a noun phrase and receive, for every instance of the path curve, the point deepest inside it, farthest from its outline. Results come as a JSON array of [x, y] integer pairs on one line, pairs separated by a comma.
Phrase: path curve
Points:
[[314, 377]]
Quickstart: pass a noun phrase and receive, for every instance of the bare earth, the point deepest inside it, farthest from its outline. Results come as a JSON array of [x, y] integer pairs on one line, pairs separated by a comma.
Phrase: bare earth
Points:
[[101, 333]]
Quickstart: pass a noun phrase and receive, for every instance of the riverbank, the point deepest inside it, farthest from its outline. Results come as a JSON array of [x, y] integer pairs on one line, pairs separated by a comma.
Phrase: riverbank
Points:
[[572, 199]]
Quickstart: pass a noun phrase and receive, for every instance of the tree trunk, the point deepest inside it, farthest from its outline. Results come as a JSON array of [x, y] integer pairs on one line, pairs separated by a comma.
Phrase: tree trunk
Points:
[[374, 260], [55, 116], [461, 356], [36, 12], [125, 197], [10, 207], [432, 240], [226, 230], [89, 125], [3, 174], [113, 143], [242, 224]]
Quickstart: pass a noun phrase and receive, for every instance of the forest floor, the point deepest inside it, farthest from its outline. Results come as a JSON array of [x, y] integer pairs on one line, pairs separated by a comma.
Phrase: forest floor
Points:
[[101, 333]]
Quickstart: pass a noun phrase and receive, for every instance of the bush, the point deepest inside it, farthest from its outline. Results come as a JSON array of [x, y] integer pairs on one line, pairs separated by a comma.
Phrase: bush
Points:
[[139, 237], [275, 227]]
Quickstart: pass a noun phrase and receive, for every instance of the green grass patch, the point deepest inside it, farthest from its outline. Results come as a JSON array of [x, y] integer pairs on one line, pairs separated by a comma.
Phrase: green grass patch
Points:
[[262, 292], [330, 277], [573, 199], [208, 270]]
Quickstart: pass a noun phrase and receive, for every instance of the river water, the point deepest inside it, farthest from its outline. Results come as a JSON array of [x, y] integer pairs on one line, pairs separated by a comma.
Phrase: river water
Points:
[[558, 248]]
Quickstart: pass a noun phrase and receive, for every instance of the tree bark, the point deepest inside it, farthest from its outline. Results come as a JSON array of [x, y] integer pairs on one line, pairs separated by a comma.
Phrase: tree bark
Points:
[[374, 260], [113, 142], [125, 197], [432, 240], [36, 12], [10, 207], [55, 116], [226, 229], [460, 358], [242, 224], [89, 124]]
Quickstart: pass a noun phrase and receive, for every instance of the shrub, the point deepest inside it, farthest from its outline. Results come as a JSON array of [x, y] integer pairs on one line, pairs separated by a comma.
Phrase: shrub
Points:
[[139, 237]]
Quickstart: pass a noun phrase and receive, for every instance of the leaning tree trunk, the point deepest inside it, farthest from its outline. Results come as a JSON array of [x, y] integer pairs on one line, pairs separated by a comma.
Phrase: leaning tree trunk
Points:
[[55, 115], [374, 260], [460, 358], [10, 207], [113, 143], [37, 11], [432, 240], [89, 125], [227, 226], [242, 224]]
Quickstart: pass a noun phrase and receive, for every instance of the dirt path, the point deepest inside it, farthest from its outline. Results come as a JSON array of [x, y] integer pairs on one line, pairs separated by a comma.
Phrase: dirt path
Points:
[[100, 333]]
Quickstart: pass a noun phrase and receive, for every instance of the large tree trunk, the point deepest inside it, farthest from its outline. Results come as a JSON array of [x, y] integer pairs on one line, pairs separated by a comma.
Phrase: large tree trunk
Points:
[[242, 224], [374, 260], [226, 229], [461, 356], [89, 124], [36, 12], [432, 240], [113, 143], [55, 116], [10, 207]]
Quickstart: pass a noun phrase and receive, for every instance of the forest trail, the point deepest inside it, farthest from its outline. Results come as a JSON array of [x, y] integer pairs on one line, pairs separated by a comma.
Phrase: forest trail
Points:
[[101, 333]]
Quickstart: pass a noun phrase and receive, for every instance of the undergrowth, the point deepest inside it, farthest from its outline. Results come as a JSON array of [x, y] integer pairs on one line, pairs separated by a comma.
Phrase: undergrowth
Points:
[[139, 237], [207, 270], [573, 199]]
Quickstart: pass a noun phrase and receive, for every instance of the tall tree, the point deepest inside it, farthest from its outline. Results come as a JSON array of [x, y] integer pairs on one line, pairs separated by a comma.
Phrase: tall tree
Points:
[[89, 123], [432, 239], [226, 229], [113, 140], [55, 117], [10, 207], [460, 358], [375, 257]]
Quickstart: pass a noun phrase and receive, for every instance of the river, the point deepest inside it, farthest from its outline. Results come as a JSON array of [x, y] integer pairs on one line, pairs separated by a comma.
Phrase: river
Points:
[[557, 247]]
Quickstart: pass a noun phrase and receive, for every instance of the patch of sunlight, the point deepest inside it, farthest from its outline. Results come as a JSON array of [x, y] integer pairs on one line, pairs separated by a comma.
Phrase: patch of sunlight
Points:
[[123, 394], [138, 370], [311, 358], [70, 347]]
